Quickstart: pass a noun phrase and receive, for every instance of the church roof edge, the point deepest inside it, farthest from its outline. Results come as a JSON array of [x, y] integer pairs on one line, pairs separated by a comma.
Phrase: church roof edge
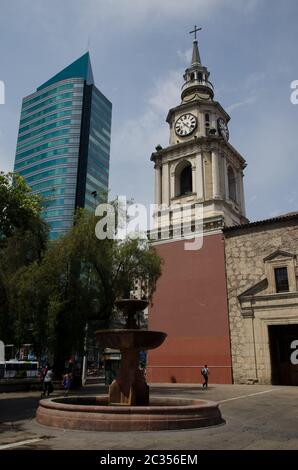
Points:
[[290, 216]]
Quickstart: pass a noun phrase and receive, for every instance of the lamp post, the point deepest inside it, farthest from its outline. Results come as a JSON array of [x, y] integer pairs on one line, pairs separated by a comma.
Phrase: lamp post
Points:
[[85, 356], [84, 367]]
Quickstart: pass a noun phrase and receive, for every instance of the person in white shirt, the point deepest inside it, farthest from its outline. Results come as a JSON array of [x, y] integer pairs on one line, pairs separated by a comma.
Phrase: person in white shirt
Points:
[[48, 383]]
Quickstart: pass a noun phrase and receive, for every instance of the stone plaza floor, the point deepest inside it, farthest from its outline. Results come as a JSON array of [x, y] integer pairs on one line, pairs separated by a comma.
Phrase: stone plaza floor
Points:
[[257, 417]]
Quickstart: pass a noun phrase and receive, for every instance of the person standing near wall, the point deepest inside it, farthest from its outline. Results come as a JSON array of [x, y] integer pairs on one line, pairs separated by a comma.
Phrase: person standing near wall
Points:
[[205, 374]]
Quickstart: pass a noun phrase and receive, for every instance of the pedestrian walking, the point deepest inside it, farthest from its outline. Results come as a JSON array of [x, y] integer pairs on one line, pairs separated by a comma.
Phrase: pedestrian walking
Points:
[[205, 374], [48, 383]]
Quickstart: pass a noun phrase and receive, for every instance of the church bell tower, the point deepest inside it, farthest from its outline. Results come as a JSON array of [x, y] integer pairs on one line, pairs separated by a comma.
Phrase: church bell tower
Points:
[[199, 166]]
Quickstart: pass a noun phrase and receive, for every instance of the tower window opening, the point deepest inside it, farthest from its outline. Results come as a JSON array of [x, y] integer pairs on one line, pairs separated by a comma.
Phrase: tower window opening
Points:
[[192, 76], [200, 76], [232, 184], [186, 180]]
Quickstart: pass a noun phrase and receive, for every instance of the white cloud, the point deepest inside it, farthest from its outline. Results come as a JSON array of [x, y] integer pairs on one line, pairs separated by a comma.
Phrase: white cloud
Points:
[[147, 13], [135, 139], [238, 104], [166, 92], [146, 130], [185, 55]]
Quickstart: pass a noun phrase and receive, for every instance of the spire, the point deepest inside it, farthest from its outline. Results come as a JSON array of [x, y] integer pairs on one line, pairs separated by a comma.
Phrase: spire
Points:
[[196, 60], [196, 85], [80, 68]]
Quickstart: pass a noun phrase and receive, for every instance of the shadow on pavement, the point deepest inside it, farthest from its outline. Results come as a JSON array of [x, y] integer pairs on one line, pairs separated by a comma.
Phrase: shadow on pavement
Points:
[[21, 408], [190, 391], [18, 409]]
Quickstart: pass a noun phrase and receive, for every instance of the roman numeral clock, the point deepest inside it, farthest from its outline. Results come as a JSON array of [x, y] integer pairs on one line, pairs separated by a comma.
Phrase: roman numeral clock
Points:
[[186, 124]]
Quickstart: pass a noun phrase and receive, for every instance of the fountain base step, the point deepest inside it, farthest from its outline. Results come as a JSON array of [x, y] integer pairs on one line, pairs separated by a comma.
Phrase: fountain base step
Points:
[[95, 414]]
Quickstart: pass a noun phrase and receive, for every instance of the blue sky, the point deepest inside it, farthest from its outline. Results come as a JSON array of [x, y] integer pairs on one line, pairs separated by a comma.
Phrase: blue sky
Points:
[[139, 50]]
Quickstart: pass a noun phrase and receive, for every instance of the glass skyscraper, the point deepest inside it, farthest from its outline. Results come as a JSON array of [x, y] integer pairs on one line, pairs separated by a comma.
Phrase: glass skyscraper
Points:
[[63, 147]]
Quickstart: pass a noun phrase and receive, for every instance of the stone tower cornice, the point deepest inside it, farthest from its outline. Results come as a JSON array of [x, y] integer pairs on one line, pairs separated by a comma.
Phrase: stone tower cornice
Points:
[[188, 106], [201, 144]]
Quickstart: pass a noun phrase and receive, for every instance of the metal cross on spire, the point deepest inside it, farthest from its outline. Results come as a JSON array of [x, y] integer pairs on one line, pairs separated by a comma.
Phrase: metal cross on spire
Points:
[[195, 31]]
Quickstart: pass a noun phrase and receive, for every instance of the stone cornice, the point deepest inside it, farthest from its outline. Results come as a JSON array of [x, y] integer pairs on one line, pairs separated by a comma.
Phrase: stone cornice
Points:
[[197, 145], [211, 226], [279, 254], [185, 106], [253, 303]]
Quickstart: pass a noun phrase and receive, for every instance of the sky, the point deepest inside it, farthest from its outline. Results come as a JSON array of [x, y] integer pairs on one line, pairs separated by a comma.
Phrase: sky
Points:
[[139, 50]]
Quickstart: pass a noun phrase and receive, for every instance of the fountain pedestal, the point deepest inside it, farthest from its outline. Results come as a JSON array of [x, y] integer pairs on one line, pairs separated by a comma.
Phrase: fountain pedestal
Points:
[[130, 387]]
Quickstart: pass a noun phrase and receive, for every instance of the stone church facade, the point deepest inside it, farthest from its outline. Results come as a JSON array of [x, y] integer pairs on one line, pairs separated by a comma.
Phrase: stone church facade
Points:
[[263, 309]]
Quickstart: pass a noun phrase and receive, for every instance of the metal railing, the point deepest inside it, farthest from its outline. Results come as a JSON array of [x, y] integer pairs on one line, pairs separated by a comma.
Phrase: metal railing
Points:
[[198, 83]]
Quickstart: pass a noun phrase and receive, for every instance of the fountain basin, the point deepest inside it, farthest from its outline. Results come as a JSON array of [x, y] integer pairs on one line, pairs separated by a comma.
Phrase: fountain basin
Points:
[[138, 340], [92, 413]]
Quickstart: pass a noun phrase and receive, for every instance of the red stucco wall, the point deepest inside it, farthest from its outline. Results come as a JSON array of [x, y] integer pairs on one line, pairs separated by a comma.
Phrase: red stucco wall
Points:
[[190, 305]]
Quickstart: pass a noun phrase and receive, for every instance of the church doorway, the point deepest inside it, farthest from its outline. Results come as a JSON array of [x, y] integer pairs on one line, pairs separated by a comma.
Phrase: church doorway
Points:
[[284, 372]]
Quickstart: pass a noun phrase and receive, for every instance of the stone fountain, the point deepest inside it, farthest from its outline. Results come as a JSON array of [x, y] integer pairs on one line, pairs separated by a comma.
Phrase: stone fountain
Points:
[[130, 387], [128, 407]]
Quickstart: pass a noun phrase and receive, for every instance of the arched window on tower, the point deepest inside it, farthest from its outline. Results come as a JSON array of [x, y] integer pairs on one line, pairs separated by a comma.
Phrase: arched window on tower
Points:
[[186, 180], [183, 179], [232, 184]]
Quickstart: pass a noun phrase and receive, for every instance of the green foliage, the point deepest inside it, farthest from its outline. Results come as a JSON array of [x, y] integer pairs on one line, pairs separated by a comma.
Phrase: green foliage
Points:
[[99, 271], [19, 208], [50, 290], [23, 239]]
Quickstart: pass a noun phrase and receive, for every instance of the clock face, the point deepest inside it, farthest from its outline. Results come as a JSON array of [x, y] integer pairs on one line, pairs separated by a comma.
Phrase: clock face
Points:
[[185, 125], [223, 129]]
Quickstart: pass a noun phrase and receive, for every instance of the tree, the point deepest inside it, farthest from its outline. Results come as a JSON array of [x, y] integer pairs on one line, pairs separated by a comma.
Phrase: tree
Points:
[[113, 265], [23, 240], [78, 280], [19, 208]]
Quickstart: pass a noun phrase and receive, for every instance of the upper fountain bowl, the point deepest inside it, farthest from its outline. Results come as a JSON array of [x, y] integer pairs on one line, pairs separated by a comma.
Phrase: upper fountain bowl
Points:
[[131, 305], [130, 339]]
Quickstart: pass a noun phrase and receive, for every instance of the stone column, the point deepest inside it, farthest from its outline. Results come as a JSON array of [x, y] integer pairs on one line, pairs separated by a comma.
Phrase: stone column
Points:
[[241, 192], [226, 179], [157, 169], [199, 177], [172, 183], [165, 183], [193, 176], [215, 175]]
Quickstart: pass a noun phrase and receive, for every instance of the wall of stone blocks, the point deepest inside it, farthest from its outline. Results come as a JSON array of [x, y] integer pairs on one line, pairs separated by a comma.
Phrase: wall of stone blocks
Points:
[[245, 250]]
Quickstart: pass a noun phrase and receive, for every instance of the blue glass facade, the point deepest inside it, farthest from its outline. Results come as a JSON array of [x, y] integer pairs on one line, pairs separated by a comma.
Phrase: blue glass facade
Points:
[[63, 147]]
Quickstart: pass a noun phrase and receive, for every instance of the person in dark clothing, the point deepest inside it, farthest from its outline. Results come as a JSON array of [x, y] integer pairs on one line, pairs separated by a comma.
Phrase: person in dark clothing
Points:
[[205, 374]]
